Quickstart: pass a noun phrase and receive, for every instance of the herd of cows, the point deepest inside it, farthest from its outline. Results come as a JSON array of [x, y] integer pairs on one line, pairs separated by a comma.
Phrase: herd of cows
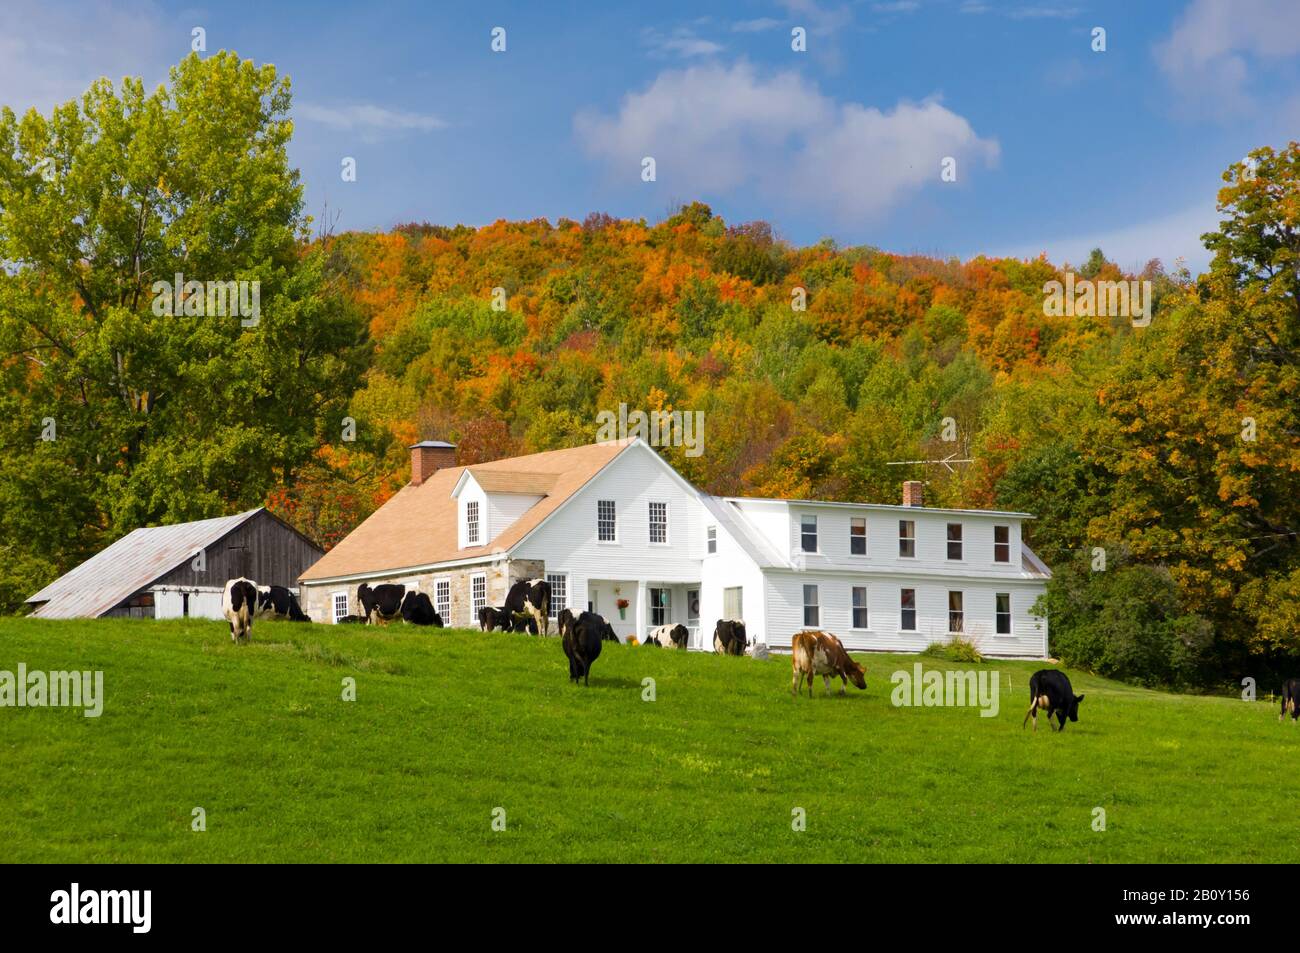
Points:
[[527, 609]]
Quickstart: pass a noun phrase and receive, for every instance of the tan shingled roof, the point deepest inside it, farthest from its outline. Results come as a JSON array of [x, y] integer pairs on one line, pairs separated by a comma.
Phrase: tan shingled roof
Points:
[[417, 527]]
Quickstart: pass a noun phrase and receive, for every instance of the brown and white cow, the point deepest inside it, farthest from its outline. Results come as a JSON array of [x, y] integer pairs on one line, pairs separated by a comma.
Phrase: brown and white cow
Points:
[[820, 653]]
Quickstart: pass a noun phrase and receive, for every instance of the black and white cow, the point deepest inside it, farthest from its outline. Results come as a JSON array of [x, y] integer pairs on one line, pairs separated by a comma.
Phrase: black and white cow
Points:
[[530, 597], [669, 636], [1290, 699], [279, 602], [490, 619], [1051, 690], [582, 644], [381, 603], [238, 604], [729, 637], [417, 609]]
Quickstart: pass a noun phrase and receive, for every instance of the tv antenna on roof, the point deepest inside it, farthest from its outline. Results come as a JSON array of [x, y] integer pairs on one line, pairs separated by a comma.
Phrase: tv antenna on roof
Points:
[[947, 461]]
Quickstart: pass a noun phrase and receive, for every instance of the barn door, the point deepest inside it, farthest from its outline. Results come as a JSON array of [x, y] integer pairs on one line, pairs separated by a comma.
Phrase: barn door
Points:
[[240, 559]]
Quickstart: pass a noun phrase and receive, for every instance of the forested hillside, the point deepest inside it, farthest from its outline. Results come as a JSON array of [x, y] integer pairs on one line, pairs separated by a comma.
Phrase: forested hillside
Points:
[[1163, 461]]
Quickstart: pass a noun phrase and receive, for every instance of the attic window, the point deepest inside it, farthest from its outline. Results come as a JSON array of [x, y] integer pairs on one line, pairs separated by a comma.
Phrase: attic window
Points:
[[471, 522]]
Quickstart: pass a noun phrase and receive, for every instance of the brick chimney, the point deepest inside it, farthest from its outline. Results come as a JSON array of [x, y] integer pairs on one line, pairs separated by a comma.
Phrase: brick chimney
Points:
[[430, 456], [913, 493]]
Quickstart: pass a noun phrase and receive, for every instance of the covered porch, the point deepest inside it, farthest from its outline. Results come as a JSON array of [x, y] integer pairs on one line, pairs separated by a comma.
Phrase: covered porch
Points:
[[646, 603]]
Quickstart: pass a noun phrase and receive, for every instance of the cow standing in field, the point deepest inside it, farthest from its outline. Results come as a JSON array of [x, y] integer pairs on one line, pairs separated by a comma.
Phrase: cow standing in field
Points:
[[530, 598], [669, 636], [490, 619], [729, 637], [1051, 690], [565, 620], [381, 603], [279, 602], [417, 609], [1290, 699], [821, 653], [238, 603], [582, 644]]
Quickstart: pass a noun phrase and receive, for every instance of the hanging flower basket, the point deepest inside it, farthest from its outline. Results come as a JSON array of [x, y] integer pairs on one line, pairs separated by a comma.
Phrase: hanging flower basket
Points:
[[622, 608]]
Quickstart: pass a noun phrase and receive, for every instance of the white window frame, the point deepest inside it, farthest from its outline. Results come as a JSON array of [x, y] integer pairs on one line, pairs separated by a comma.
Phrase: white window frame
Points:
[[903, 609], [853, 537], [612, 521], [803, 532], [854, 607], [710, 540], [438, 605], [334, 606], [949, 541], [996, 544], [472, 525], [665, 610], [562, 603], [815, 606], [474, 604], [739, 616], [904, 539], [960, 612], [650, 526], [997, 613]]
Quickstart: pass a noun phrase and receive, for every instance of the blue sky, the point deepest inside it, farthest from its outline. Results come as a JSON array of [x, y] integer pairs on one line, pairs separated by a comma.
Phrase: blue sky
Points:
[[1058, 148]]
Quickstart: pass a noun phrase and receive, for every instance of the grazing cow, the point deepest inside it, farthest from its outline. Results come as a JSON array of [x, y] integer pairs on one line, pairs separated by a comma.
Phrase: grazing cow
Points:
[[531, 597], [820, 653], [417, 609], [278, 602], [381, 603], [1051, 690], [582, 644], [653, 640], [1290, 699], [351, 620], [729, 637], [490, 619], [238, 604], [565, 620], [670, 636]]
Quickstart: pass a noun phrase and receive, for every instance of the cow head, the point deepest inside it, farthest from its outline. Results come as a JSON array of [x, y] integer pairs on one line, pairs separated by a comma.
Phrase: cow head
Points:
[[1074, 707], [855, 673]]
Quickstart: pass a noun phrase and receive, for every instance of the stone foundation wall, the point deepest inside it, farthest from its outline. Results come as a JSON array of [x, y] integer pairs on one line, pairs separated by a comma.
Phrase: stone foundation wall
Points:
[[318, 599]]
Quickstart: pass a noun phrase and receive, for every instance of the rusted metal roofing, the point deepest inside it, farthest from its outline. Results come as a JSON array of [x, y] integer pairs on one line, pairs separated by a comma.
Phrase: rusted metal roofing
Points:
[[129, 565]]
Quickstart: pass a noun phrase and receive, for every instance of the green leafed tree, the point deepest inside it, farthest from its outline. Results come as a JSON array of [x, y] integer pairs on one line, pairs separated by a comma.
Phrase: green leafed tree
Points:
[[124, 403]]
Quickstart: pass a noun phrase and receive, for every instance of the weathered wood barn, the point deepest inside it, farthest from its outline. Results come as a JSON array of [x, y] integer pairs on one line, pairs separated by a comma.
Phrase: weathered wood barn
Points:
[[167, 572]]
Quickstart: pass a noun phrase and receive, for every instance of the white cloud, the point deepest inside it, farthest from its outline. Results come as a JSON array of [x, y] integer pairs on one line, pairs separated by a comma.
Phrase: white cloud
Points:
[[682, 42], [896, 6], [367, 119], [1168, 237], [60, 51], [714, 129], [755, 26], [1205, 56]]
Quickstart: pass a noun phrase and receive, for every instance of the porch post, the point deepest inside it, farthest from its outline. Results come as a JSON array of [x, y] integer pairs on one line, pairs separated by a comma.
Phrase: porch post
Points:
[[642, 610]]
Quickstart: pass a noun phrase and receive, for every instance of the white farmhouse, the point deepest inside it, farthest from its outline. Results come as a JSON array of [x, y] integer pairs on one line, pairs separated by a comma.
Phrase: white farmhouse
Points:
[[615, 529]]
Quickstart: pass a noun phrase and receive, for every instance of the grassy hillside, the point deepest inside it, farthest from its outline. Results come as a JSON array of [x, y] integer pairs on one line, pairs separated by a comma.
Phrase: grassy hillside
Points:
[[448, 726]]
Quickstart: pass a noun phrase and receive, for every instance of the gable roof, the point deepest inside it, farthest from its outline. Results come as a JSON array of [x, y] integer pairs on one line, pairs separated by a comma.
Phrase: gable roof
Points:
[[417, 527], [129, 565], [738, 527]]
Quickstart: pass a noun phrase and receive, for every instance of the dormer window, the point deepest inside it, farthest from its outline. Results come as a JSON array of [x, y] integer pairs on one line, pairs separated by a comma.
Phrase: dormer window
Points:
[[471, 523], [808, 533]]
